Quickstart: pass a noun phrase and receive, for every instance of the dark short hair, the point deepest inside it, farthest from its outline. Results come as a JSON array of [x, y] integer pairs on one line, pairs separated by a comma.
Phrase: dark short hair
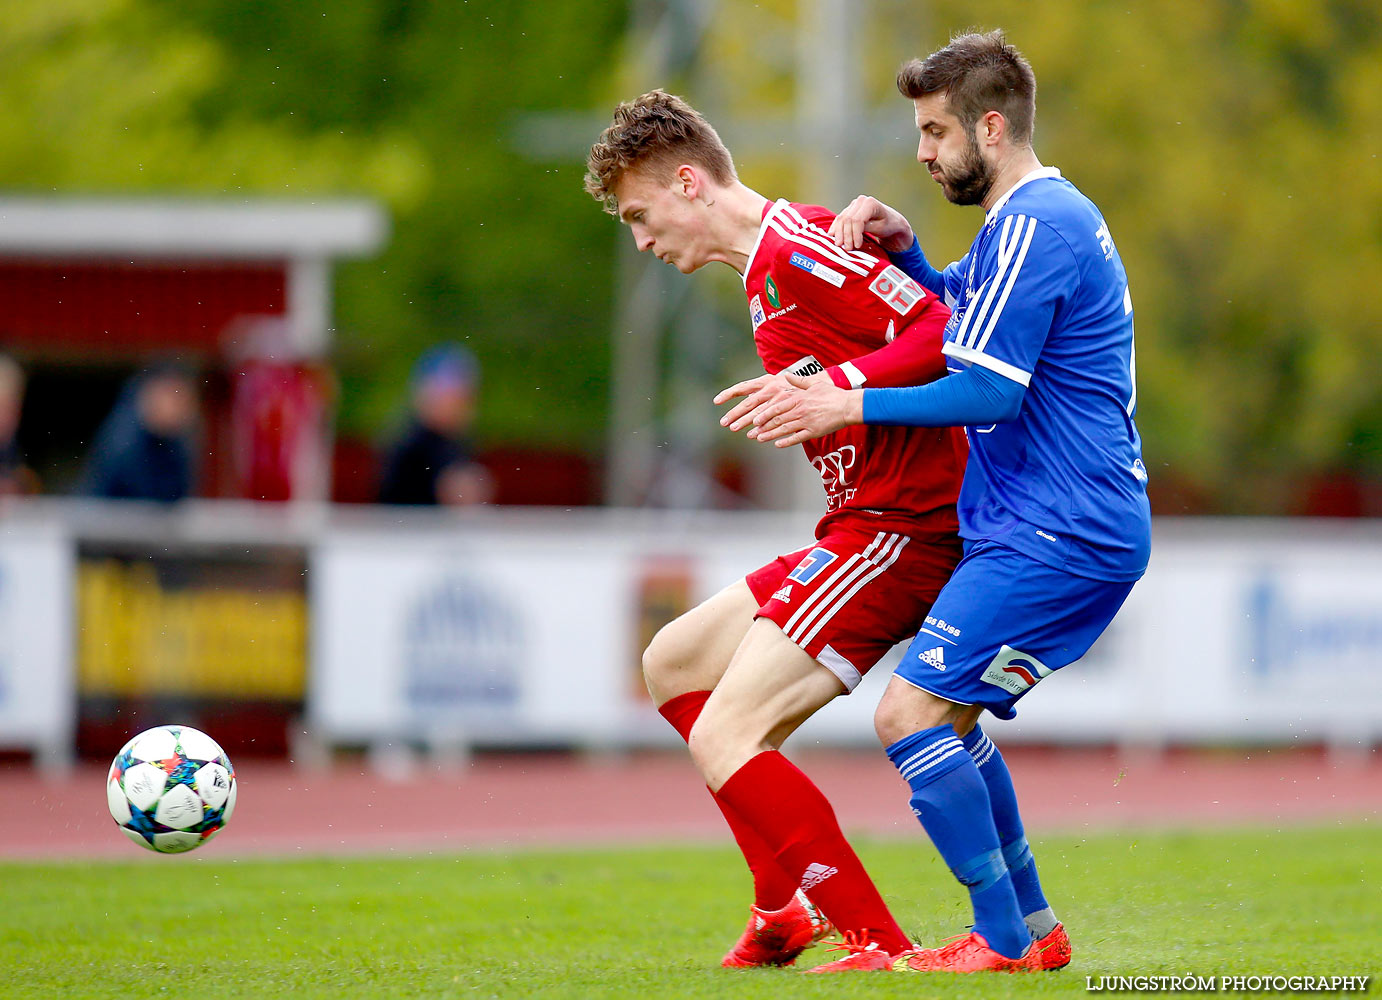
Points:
[[979, 73], [657, 130]]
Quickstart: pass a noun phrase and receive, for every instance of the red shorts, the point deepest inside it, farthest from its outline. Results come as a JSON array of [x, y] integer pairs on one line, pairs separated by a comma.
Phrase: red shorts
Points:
[[855, 593]]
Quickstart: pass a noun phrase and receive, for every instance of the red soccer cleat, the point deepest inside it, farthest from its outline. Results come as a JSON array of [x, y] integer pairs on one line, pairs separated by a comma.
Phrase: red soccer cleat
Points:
[[821, 927], [864, 956], [777, 937], [967, 953], [1053, 951]]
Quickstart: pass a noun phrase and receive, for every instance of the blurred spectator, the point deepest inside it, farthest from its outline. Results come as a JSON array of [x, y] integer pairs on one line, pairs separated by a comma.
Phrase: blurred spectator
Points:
[[280, 411], [144, 450], [431, 463], [15, 476]]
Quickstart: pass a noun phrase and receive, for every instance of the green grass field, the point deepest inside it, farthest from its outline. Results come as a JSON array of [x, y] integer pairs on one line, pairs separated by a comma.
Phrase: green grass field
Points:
[[653, 922]]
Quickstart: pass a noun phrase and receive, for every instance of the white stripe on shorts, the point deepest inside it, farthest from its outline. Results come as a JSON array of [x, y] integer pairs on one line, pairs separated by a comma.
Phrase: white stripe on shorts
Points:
[[811, 601], [898, 543], [820, 601], [847, 673]]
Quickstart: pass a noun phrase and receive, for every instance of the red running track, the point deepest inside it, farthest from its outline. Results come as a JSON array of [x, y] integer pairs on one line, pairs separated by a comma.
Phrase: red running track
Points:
[[511, 801]]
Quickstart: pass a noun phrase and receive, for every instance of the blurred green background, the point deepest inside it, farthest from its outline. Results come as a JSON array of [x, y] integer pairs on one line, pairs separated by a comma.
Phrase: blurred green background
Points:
[[1231, 144]]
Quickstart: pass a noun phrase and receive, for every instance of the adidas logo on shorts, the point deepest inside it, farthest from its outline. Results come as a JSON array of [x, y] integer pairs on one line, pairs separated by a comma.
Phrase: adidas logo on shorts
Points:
[[934, 657], [784, 594], [816, 873]]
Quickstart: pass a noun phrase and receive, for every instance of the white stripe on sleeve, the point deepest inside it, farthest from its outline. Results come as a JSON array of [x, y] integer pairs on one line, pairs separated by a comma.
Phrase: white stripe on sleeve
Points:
[[973, 357]]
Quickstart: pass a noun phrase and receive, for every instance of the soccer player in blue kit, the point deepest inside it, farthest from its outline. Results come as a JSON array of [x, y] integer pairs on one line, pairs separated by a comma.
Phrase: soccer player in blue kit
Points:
[[1053, 507]]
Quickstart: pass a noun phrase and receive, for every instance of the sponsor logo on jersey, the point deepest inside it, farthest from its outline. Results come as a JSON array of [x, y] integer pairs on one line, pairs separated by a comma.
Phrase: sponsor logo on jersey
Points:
[[890, 334], [784, 594], [952, 325], [806, 366], [756, 313], [770, 287], [813, 266], [942, 624], [933, 657], [1105, 239], [816, 873], [834, 466], [897, 290], [1015, 671], [1139, 471]]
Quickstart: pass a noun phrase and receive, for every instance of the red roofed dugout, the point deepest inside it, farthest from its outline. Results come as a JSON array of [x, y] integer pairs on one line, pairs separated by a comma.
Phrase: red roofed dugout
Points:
[[93, 289]]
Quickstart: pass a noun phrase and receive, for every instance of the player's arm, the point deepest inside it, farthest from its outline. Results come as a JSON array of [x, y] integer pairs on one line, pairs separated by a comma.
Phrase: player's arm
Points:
[[869, 302], [867, 217], [758, 391], [1028, 273], [1025, 275], [975, 396], [864, 300], [946, 283], [912, 358]]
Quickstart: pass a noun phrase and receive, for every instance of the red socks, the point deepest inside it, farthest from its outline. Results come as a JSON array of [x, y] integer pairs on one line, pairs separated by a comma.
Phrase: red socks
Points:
[[772, 887], [790, 838], [790, 814]]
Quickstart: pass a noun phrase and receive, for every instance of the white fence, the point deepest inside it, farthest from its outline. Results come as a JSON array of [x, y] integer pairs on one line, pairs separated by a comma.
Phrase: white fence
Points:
[[525, 627], [36, 669]]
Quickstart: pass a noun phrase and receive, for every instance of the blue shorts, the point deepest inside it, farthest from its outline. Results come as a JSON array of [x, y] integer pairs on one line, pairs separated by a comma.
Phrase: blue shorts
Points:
[[1002, 623]]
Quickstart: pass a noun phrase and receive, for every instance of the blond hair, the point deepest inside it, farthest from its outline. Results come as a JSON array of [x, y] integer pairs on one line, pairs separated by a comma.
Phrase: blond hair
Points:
[[657, 131]]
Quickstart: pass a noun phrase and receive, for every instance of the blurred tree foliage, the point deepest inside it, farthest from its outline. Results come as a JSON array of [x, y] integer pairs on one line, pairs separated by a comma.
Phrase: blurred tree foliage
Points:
[[1233, 146], [412, 103]]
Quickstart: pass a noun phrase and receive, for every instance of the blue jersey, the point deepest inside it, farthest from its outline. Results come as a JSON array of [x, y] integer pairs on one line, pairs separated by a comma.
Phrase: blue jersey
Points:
[[1042, 299]]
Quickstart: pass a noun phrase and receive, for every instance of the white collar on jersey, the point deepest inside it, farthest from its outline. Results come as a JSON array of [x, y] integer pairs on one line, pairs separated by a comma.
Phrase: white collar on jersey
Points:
[[1038, 174], [762, 228]]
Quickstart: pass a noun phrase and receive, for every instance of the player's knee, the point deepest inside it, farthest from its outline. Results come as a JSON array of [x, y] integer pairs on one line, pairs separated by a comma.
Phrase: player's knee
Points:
[[888, 724], [652, 664], [664, 658], [905, 710]]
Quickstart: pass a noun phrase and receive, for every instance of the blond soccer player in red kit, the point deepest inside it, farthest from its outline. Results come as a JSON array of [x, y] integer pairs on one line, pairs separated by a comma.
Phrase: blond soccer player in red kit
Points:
[[739, 673]]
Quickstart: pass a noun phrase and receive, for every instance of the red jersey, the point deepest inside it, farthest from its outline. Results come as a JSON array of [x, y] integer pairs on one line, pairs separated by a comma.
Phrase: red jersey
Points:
[[818, 307]]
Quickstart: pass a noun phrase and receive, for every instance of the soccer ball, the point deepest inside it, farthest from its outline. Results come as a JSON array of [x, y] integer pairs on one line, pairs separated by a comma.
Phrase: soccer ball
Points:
[[171, 788]]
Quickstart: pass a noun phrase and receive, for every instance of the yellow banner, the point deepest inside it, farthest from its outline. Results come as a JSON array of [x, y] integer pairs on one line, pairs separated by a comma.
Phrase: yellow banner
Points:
[[138, 637]]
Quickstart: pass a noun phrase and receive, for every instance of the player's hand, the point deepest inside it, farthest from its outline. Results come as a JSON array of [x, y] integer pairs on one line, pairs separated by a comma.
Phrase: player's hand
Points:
[[812, 409], [756, 392], [869, 216]]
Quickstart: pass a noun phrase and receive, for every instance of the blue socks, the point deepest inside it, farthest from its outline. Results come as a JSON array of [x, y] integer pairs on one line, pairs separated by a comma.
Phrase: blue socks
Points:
[[950, 798], [1013, 840]]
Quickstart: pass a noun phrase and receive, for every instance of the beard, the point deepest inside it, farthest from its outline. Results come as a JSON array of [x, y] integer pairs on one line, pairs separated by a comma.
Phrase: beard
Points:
[[970, 180]]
